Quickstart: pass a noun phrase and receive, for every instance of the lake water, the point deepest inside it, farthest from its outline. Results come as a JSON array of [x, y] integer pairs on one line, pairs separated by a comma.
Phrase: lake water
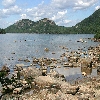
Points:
[[22, 46]]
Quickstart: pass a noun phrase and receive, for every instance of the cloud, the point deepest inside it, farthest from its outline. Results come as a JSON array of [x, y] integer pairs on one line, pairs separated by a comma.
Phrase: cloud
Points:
[[11, 11], [97, 7], [83, 4], [8, 3], [4, 23], [74, 4], [46, 11], [59, 15]]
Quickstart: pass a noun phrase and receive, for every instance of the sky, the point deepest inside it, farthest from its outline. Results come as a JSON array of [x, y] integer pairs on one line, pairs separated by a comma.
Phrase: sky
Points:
[[63, 12]]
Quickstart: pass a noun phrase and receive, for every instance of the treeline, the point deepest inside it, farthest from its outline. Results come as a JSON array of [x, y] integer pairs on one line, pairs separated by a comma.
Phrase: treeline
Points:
[[2, 31]]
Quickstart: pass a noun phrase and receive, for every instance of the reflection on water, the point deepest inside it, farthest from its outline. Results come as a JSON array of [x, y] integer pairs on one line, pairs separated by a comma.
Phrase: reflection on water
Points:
[[27, 46], [87, 70], [98, 73]]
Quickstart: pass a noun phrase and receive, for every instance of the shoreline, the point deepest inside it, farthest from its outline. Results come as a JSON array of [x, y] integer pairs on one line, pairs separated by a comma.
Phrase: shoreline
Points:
[[52, 83]]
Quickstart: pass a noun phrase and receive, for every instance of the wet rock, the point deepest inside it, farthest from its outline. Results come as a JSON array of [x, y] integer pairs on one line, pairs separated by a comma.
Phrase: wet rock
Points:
[[67, 64], [52, 66], [13, 53], [46, 49], [35, 60], [26, 60], [84, 74]]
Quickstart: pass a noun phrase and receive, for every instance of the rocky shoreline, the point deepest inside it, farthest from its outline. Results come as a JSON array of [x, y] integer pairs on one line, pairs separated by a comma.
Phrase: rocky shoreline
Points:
[[44, 83]]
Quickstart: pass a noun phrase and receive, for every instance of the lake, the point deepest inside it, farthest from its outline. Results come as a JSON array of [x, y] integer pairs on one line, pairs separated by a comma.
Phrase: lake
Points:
[[26, 46]]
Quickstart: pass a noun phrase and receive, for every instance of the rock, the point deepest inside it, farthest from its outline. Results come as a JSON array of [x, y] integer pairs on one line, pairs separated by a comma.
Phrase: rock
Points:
[[64, 86], [23, 82], [53, 74], [52, 66], [84, 74], [72, 90], [26, 86], [5, 68], [44, 72], [98, 68], [27, 60], [46, 49], [67, 64], [68, 89], [43, 81], [86, 62], [35, 60], [86, 71], [32, 84], [85, 89], [10, 87], [17, 90], [18, 67], [13, 53], [31, 71]]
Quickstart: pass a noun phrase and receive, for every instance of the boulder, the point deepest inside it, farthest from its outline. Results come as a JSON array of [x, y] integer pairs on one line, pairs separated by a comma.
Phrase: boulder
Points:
[[17, 90], [31, 71], [72, 90], [43, 81], [68, 89]]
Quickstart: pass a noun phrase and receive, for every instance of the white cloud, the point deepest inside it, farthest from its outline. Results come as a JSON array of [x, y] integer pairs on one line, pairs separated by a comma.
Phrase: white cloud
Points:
[[59, 15], [97, 7], [23, 16], [11, 11], [63, 22], [75, 4], [8, 3], [4, 23], [46, 11], [83, 4]]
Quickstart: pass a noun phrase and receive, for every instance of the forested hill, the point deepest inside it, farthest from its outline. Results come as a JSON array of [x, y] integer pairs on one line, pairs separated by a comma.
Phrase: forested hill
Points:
[[42, 26], [88, 25]]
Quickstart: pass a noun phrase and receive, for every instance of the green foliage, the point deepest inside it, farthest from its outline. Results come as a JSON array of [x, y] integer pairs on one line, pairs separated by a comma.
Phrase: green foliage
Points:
[[2, 31], [90, 24], [97, 36], [2, 74], [42, 26]]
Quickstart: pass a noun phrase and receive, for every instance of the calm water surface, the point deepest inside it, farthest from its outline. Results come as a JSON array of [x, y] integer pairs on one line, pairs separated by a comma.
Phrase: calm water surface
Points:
[[23, 46]]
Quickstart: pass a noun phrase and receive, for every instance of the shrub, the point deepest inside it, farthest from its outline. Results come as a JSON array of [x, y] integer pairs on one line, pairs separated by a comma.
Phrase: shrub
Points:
[[97, 36]]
